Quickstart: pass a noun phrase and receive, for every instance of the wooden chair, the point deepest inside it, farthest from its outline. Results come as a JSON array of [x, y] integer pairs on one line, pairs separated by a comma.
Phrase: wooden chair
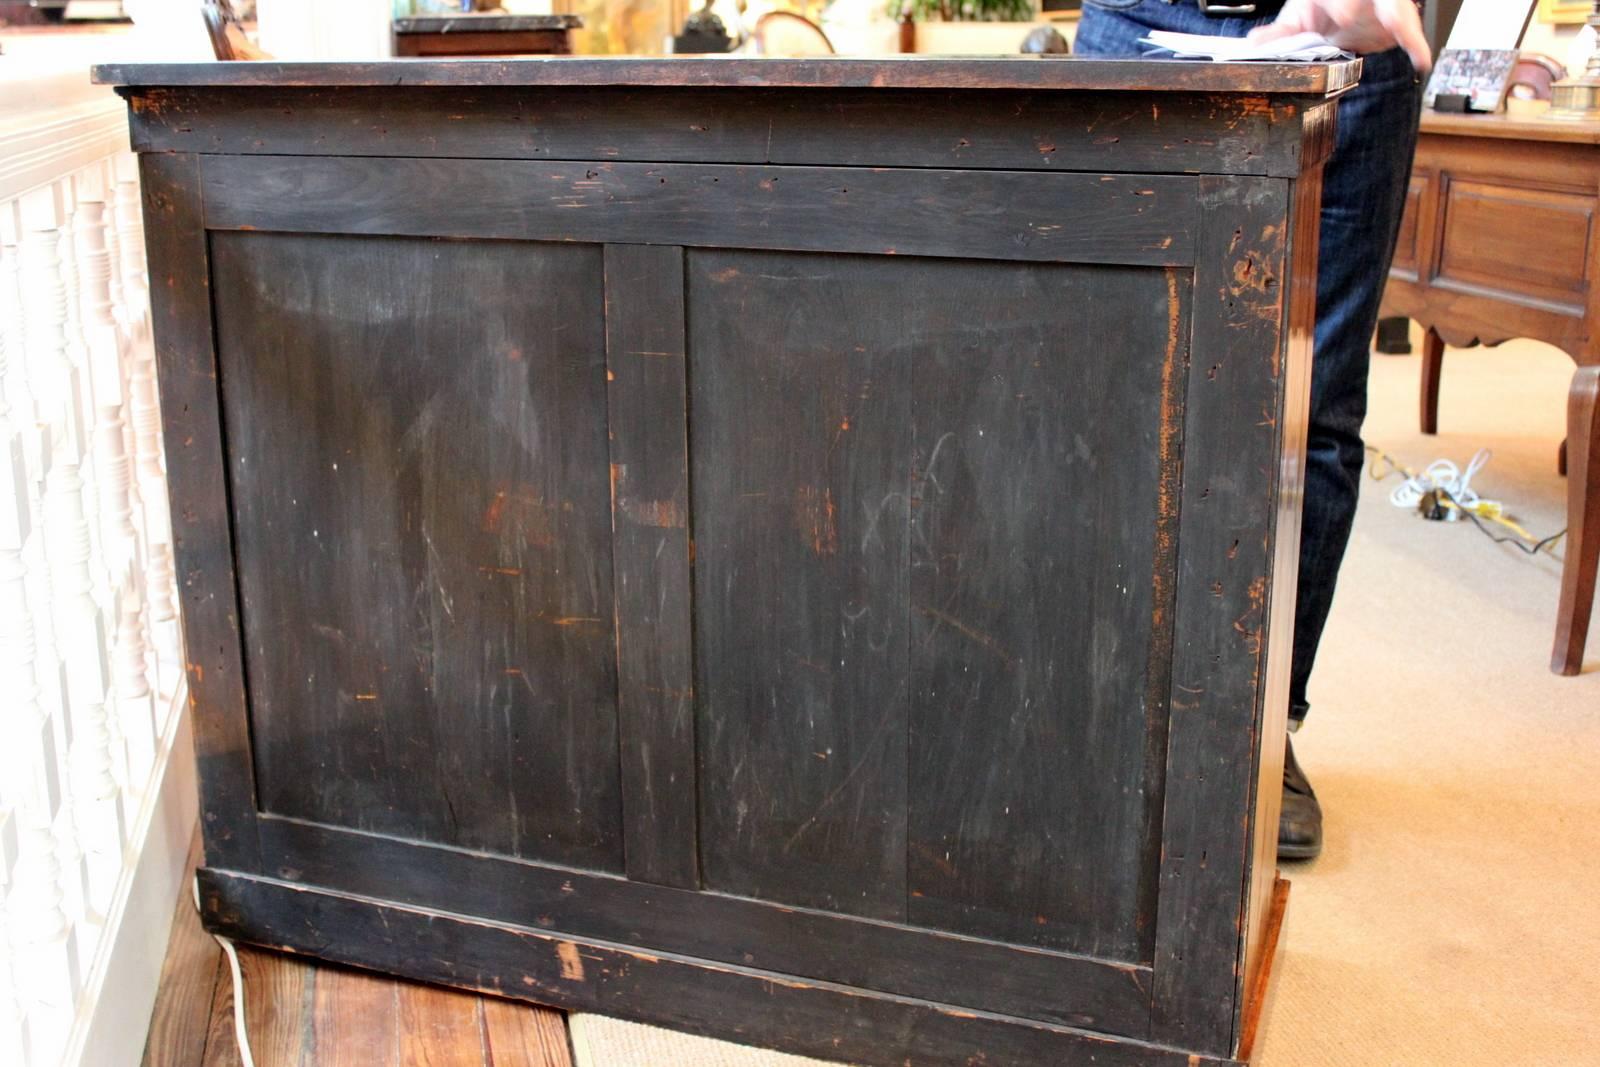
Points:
[[783, 33], [228, 39]]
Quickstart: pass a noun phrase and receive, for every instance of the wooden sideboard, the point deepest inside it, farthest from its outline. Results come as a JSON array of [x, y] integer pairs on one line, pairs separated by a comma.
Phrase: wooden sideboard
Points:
[[1499, 241], [438, 36], [799, 551]]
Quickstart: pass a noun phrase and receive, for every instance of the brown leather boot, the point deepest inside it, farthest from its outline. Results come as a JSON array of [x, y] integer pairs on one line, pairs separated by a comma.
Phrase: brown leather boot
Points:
[[1300, 822]]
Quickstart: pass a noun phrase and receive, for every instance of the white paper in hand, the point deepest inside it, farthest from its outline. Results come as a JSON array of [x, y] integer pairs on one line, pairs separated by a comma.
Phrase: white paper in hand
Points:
[[1299, 48]]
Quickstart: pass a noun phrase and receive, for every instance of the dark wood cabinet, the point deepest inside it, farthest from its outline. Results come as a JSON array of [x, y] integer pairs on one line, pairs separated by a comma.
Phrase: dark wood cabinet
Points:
[[796, 551]]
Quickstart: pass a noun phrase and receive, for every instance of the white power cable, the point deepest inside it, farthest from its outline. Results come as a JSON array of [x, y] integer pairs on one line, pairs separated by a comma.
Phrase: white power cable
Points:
[[1443, 475], [240, 1035]]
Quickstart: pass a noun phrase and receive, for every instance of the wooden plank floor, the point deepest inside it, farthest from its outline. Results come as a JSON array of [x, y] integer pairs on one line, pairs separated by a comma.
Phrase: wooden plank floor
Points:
[[304, 1014]]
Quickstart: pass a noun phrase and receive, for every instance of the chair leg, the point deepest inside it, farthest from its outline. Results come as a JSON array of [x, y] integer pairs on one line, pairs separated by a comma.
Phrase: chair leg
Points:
[[1583, 522], [1432, 363], [1561, 459]]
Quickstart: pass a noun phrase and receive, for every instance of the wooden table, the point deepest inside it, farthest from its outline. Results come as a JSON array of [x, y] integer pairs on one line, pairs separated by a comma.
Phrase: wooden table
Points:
[[1498, 242], [485, 35], [800, 551]]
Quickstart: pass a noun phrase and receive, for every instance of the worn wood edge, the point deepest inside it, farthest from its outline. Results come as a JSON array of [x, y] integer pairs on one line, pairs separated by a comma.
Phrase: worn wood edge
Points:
[[234, 905], [989, 72], [288, 844], [1262, 983]]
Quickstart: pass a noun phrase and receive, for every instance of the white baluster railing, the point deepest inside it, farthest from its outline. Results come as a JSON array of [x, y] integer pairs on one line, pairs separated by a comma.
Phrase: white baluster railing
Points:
[[91, 716]]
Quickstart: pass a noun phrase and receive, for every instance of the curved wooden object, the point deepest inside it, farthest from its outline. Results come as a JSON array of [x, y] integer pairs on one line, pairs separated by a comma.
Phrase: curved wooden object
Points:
[[1583, 522], [783, 33]]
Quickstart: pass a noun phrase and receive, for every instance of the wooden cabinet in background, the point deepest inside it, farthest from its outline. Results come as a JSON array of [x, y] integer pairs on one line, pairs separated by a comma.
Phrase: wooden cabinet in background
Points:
[[1499, 241], [800, 551]]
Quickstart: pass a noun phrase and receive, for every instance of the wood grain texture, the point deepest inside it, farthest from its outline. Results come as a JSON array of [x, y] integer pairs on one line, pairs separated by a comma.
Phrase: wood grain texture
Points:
[[356, 1019], [517, 1035], [650, 527], [222, 1042], [910, 72], [1052, 218], [180, 1019], [1043, 530], [203, 548], [755, 1007], [423, 525], [279, 994], [800, 470], [896, 959], [1000, 129], [439, 1028], [1230, 475]]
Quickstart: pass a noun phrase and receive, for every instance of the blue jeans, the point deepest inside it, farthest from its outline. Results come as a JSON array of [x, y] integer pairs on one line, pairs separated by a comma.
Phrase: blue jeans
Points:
[[1363, 195]]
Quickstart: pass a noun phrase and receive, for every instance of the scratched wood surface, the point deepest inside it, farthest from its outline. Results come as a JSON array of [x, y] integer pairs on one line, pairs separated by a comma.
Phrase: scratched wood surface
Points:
[[788, 566], [419, 486]]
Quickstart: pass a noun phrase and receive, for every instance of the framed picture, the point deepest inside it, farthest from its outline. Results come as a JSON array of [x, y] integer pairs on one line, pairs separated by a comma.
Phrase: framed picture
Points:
[[1060, 10], [1564, 11]]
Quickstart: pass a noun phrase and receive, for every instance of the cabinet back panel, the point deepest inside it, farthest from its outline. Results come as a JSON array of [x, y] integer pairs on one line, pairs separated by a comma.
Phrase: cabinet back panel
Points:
[[422, 517], [922, 502]]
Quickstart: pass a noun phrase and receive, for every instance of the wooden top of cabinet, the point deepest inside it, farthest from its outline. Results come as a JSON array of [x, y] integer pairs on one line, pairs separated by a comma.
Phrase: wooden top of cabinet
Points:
[[1512, 127], [898, 72]]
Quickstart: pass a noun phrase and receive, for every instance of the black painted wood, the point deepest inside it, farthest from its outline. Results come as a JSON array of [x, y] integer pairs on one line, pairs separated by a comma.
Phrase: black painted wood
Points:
[[800, 471], [758, 1007], [792, 541], [650, 523], [418, 455], [1071, 217], [889, 957], [1235, 404], [1000, 129], [874, 74], [1043, 525], [202, 537]]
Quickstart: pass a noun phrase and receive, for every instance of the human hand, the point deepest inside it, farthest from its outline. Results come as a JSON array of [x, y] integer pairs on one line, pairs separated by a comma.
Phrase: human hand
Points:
[[1359, 26]]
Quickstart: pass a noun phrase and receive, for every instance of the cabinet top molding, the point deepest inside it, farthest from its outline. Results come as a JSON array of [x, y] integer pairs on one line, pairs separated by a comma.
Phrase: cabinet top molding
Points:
[[897, 72]]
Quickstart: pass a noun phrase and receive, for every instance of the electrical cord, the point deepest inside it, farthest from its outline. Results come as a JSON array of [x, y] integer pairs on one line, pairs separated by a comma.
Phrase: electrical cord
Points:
[[1445, 488], [240, 1034]]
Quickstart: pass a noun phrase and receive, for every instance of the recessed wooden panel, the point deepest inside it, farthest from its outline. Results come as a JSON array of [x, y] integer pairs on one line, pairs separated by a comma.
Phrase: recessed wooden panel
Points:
[[418, 463], [1406, 253], [800, 454], [923, 508], [1043, 521], [1517, 241]]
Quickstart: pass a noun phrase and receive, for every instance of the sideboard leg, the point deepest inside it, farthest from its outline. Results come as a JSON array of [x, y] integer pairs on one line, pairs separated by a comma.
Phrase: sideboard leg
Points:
[[1432, 363], [1583, 522]]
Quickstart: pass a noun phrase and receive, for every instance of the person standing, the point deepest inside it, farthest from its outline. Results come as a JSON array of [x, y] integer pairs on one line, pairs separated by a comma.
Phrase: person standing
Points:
[[1363, 197]]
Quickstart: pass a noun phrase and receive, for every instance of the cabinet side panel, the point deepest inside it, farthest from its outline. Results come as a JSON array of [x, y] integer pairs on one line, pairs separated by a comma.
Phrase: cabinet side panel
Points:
[[418, 447], [180, 304], [1225, 573]]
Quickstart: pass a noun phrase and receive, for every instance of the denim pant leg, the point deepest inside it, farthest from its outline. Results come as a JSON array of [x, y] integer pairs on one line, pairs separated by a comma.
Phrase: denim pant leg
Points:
[[1363, 196]]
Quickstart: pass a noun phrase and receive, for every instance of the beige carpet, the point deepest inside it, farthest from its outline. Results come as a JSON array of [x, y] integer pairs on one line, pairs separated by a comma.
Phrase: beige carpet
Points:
[[1454, 917]]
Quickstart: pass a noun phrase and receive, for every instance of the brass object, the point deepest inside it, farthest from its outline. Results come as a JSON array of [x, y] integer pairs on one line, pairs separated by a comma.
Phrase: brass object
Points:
[[1579, 98]]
